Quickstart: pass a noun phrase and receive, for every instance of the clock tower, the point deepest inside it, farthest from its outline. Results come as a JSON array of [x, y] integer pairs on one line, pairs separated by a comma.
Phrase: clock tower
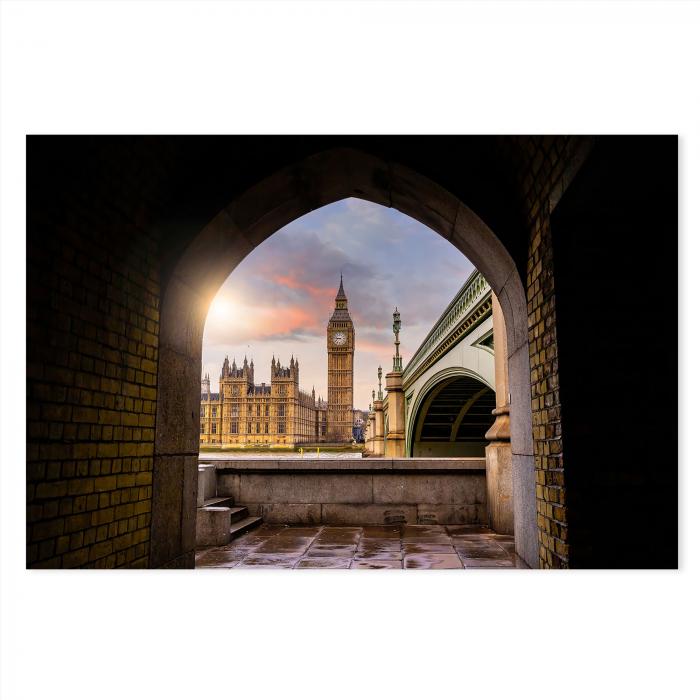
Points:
[[341, 350]]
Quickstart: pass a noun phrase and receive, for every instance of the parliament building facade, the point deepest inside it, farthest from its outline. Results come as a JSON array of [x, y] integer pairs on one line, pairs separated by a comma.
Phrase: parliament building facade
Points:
[[281, 413]]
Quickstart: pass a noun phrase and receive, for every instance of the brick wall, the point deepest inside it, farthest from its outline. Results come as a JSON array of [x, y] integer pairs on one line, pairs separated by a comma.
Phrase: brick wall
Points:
[[93, 297], [543, 167]]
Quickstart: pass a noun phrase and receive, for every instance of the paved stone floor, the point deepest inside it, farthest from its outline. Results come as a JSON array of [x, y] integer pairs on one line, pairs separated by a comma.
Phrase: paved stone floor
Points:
[[370, 547]]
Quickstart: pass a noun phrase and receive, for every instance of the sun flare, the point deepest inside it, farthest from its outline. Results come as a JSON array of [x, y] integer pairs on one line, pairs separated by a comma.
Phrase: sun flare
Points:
[[222, 309]]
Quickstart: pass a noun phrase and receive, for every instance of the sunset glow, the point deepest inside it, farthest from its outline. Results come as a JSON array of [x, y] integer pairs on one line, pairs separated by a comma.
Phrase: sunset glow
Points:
[[278, 300]]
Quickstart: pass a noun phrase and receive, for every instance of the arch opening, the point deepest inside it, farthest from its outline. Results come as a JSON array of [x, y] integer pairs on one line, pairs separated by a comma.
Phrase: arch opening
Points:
[[234, 232], [453, 418]]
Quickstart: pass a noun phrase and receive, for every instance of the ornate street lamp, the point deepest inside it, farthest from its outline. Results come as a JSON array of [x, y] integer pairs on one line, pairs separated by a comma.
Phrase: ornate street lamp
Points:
[[398, 361]]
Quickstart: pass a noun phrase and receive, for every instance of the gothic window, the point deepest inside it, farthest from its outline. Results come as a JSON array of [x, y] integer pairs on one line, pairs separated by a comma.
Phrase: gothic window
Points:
[[250, 428], [258, 409], [203, 428], [257, 427], [280, 410], [267, 427], [201, 411], [213, 428], [213, 411], [280, 428], [234, 427]]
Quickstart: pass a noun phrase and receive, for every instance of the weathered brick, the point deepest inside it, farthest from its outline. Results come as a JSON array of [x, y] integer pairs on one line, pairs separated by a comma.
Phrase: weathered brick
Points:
[[105, 483]]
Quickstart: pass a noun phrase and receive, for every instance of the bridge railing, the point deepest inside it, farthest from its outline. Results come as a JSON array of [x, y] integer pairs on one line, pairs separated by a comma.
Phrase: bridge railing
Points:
[[474, 290]]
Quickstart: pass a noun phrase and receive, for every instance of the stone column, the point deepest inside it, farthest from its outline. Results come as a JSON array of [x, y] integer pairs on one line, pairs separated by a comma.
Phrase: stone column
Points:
[[369, 434], [379, 428], [499, 470], [396, 436]]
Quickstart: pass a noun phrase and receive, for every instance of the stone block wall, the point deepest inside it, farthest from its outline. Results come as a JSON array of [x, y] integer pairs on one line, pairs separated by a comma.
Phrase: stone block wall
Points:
[[354, 492]]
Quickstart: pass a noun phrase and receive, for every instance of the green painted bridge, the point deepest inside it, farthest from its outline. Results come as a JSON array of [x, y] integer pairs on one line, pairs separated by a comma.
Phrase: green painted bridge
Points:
[[449, 383]]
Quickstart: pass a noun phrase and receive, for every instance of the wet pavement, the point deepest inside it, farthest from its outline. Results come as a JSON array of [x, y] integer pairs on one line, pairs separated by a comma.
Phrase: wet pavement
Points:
[[369, 547]]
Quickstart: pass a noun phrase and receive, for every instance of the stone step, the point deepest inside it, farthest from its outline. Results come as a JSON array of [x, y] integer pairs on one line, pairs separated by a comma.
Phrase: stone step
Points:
[[238, 513], [220, 502], [243, 526]]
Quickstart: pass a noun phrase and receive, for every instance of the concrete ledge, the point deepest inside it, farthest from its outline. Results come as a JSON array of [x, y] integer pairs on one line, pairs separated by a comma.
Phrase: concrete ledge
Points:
[[357, 466], [369, 513], [449, 491], [357, 492], [213, 526]]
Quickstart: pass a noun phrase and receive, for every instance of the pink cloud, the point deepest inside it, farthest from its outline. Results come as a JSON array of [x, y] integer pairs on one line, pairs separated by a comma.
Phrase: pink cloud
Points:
[[324, 295], [377, 348], [270, 321]]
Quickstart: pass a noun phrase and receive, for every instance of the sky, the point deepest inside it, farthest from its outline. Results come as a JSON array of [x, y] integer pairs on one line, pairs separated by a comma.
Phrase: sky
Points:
[[280, 297]]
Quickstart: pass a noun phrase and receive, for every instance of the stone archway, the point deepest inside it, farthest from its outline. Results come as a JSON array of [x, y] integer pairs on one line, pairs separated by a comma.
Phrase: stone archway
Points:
[[233, 233]]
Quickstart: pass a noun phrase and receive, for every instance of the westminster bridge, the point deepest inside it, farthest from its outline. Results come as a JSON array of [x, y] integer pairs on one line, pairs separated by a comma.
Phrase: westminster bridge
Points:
[[452, 399]]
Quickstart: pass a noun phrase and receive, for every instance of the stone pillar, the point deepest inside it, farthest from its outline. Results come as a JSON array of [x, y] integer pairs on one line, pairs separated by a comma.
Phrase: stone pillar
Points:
[[499, 470], [369, 433], [396, 436], [379, 428]]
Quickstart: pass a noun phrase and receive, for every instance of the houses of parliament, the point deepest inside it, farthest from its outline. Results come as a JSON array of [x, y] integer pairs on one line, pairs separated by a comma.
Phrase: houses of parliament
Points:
[[281, 413]]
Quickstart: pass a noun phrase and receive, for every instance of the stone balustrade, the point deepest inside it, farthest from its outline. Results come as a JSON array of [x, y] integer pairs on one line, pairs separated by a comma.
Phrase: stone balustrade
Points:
[[474, 291]]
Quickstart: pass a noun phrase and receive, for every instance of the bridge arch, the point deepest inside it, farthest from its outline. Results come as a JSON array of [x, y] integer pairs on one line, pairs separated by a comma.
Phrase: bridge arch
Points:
[[420, 402], [245, 222]]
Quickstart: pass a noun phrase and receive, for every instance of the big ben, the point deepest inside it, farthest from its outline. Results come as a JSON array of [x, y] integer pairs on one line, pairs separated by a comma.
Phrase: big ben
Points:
[[341, 352]]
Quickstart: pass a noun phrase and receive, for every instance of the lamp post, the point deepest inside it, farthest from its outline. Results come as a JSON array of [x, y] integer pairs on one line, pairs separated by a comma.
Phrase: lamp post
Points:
[[398, 361]]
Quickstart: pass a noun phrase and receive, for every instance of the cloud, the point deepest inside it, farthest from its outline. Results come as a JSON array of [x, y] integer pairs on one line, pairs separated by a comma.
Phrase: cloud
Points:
[[281, 295]]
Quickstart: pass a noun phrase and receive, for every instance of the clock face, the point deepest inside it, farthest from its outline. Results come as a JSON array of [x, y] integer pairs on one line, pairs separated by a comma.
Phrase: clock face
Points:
[[339, 338]]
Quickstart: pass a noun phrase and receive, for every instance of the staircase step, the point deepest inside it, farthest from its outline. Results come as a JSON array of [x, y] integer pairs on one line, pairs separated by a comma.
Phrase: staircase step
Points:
[[238, 513], [243, 526], [220, 502]]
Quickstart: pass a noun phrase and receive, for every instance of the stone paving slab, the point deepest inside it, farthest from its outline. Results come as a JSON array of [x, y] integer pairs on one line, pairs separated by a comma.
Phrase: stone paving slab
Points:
[[379, 546], [428, 548], [432, 561], [481, 552], [488, 563], [376, 564], [378, 556], [372, 547], [427, 539], [324, 563], [330, 551], [277, 561]]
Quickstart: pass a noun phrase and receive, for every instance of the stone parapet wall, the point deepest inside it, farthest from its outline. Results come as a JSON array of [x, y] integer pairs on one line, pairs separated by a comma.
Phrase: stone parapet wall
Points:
[[358, 492]]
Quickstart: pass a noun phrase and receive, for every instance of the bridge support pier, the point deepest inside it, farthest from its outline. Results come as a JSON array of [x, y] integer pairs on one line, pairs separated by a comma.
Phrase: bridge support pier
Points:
[[369, 433], [396, 436], [499, 460], [378, 442]]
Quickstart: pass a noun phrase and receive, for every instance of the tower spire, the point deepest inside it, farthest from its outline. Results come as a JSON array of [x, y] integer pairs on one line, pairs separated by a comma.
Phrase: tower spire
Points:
[[341, 291]]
